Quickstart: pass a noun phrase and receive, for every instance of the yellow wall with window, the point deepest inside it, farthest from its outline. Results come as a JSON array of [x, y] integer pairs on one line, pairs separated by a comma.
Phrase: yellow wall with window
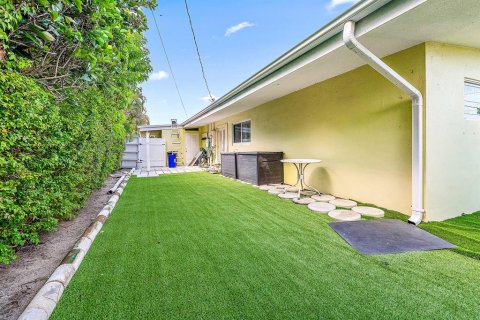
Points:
[[358, 123]]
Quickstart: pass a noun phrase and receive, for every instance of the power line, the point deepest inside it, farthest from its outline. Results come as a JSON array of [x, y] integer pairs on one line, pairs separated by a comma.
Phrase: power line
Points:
[[168, 62], [198, 52]]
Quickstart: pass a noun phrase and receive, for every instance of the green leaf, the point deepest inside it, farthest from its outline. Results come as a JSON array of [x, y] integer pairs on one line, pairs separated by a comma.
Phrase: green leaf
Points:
[[41, 33], [69, 20], [54, 14], [47, 36], [78, 4]]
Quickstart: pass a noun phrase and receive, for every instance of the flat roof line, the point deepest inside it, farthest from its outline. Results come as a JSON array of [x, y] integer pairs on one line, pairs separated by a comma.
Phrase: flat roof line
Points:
[[357, 12]]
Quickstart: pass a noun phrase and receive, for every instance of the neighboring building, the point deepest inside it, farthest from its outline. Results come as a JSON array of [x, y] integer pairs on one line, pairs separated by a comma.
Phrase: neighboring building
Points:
[[321, 100], [185, 142]]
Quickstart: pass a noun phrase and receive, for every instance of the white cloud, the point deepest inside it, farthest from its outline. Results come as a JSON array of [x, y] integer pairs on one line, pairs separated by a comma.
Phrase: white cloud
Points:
[[207, 98], [336, 3], [158, 75], [238, 27]]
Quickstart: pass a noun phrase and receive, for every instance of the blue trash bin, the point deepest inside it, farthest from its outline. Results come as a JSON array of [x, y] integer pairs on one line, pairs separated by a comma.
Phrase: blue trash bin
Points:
[[172, 160]]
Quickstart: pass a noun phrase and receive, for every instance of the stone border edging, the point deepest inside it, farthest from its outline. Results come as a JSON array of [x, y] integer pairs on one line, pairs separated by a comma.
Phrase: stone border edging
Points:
[[46, 299]]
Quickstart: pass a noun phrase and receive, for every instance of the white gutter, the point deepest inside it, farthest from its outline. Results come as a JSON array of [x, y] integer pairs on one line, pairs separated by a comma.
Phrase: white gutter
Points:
[[417, 115], [155, 127]]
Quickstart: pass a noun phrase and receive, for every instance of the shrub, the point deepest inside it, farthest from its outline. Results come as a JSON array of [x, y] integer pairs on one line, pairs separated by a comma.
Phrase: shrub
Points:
[[51, 157], [69, 94]]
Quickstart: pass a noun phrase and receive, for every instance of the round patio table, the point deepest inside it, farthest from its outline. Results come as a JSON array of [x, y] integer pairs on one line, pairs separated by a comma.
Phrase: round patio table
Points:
[[301, 165]]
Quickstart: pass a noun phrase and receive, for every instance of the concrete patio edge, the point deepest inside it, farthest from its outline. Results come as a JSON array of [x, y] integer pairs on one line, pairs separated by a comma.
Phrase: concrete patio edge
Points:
[[46, 299]]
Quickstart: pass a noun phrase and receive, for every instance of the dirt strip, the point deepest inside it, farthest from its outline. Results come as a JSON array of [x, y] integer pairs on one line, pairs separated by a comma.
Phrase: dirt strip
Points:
[[20, 281]]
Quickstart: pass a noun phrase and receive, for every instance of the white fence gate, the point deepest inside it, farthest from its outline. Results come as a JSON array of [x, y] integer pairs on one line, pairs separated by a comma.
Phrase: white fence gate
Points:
[[152, 152], [142, 152]]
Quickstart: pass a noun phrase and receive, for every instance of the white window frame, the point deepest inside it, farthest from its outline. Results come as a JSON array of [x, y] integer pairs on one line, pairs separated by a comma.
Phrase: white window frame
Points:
[[241, 136], [473, 83]]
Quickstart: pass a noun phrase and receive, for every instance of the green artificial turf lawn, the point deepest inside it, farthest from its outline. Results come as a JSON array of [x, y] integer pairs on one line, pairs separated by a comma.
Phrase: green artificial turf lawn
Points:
[[200, 246], [464, 231]]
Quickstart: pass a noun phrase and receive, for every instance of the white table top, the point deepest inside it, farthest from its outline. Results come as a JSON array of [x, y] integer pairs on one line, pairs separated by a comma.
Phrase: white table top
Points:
[[301, 161]]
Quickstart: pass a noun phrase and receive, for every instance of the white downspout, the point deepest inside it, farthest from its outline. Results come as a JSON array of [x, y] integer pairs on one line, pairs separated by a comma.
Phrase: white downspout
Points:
[[417, 115]]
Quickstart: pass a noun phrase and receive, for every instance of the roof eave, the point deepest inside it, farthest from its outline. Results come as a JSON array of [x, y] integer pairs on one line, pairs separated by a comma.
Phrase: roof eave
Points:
[[357, 12], [155, 127]]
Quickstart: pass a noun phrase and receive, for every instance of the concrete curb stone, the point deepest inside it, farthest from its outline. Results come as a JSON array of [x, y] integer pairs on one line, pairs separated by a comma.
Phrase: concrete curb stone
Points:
[[46, 299]]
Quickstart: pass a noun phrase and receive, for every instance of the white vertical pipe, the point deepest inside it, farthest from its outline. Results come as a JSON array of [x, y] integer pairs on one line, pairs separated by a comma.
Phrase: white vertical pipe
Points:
[[147, 149], [417, 115]]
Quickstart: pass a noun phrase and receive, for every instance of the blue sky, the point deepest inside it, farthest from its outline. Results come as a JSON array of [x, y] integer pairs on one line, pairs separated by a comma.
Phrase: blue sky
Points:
[[236, 39]]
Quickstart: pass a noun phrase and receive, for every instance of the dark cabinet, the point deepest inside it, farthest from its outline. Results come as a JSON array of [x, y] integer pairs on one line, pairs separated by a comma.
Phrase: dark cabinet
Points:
[[260, 167], [229, 164]]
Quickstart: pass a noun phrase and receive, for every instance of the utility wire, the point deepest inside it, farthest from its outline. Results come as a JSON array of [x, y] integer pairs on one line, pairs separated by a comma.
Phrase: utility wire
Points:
[[198, 52], [168, 62]]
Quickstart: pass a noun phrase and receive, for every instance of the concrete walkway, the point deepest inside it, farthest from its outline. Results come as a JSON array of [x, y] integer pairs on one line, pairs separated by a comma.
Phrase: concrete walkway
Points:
[[156, 171]]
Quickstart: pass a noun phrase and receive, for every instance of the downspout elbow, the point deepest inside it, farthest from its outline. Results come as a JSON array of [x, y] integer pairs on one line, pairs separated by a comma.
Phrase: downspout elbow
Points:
[[349, 36]]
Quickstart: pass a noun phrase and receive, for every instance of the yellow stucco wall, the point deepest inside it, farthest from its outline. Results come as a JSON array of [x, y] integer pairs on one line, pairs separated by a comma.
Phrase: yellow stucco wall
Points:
[[171, 144], [358, 123], [202, 130], [453, 143]]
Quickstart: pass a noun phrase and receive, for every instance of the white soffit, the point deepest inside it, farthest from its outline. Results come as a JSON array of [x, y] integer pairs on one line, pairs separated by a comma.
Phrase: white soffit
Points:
[[397, 26]]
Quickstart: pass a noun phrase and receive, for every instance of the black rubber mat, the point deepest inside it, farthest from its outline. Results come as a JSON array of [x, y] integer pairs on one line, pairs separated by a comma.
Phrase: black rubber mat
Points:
[[387, 236]]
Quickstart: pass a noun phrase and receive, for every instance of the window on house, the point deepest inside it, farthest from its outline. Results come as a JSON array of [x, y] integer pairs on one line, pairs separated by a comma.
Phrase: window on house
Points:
[[472, 100], [242, 132]]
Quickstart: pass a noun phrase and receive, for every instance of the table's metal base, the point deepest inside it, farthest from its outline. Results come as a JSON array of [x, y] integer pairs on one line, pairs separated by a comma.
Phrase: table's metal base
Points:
[[301, 179]]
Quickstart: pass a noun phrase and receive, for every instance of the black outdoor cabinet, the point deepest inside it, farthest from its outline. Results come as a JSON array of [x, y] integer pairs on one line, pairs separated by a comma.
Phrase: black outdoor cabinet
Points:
[[259, 167], [229, 164]]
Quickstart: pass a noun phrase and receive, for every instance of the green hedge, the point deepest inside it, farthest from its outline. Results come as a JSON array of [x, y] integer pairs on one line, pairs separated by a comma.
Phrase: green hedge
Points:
[[51, 156], [70, 72]]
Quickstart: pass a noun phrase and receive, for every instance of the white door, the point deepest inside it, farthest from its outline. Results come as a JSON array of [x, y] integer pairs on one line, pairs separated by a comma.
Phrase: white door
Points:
[[192, 146], [156, 152], [222, 142]]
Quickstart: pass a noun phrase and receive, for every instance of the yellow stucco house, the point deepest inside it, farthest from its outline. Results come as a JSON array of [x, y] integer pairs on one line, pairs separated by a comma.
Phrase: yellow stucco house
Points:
[[387, 95]]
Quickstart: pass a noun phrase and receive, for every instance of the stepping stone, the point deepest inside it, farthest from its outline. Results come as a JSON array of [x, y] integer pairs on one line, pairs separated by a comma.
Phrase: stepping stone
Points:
[[265, 187], [323, 197], [282, 186], [344, 203], [276, 184], [308, 193], [344, 215], [303, 200], [321, 207], [288, 195], [292, 189], [369, 211], [275, 191]]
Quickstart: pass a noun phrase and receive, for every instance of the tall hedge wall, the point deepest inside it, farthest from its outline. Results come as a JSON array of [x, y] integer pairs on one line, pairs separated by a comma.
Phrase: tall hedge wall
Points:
[[69, 94], [51, 157]]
